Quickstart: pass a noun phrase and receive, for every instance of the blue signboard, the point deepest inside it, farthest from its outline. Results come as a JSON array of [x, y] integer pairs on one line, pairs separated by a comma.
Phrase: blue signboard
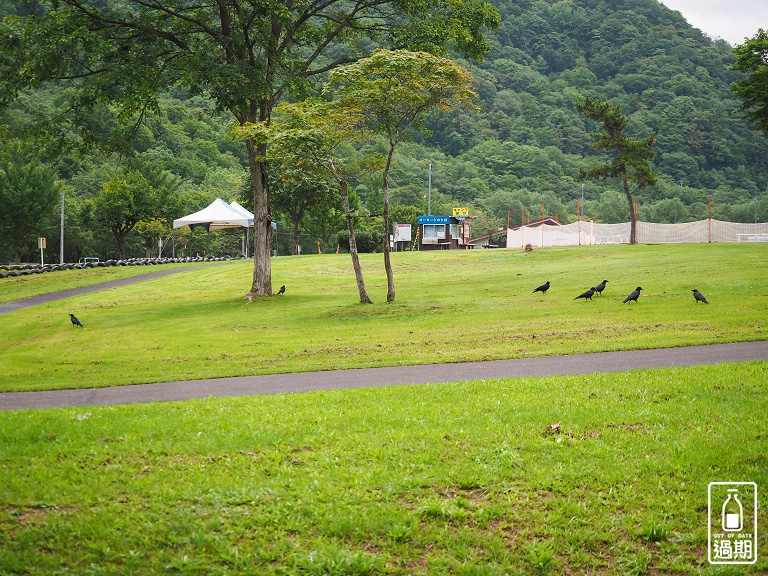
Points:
[[434, 219]]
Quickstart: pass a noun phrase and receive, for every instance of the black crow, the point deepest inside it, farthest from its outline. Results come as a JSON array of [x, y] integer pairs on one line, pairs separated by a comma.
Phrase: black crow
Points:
[[543, 288], [600, 287], [587, 295], [281, 291], [633, 296], [75, 321], [699, 296]]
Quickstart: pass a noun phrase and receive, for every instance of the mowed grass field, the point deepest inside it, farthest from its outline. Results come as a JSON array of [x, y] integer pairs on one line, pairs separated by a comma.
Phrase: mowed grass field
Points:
[[451, 307], [469, 478], [460, 479]]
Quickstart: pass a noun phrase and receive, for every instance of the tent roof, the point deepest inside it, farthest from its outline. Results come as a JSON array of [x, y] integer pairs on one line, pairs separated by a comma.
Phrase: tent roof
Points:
[[217, 215], [237, 206]]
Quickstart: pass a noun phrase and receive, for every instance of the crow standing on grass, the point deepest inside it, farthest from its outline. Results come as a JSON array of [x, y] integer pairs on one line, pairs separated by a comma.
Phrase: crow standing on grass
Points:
[[587, 295], [600, 287], [633, 296], [543, 288], [281, 291], [75, 321], [699, 296]]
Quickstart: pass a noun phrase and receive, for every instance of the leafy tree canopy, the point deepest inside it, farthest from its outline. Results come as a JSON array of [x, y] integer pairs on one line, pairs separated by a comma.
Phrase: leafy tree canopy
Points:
[[752, 59], [29, 196], [631, 160], [247, 56], [527, 141]]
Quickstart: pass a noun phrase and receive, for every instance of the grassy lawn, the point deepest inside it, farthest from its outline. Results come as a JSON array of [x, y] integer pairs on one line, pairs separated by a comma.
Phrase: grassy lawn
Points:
[[457, 478], [451, 307], [460, 478]]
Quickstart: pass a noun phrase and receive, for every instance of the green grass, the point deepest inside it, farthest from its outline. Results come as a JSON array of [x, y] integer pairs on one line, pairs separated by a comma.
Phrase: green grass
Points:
[[451, 307], [460, 478], [457, 478]]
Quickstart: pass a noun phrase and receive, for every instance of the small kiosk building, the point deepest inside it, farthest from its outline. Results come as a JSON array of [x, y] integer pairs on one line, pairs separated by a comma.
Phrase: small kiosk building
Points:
[[445, 232]]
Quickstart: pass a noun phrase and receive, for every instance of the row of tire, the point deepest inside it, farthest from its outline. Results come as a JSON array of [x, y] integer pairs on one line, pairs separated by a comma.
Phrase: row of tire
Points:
[[29, 269]]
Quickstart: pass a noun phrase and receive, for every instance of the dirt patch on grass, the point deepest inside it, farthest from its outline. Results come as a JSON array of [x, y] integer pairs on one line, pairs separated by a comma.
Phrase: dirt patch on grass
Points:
[[640, 427]]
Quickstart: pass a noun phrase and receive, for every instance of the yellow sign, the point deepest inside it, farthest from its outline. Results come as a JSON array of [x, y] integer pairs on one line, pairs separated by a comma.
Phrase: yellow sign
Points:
[[461, 211]]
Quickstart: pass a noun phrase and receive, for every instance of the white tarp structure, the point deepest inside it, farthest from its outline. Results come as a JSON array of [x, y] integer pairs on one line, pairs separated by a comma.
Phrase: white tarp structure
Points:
[[709, 230], [548, 235], [237, 206], [217, 216]]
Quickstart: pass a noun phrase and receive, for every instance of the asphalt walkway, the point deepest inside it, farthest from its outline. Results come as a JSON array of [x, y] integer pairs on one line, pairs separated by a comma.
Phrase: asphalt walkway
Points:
[[12, 306], [394, 376], [364, 377]]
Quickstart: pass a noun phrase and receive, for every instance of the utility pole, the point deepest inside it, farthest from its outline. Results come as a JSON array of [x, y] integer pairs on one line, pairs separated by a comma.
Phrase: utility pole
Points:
[[61, 243], [429, 192]]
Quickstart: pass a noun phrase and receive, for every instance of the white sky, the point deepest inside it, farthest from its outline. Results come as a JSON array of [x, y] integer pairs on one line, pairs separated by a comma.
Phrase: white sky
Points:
[[731, 20]]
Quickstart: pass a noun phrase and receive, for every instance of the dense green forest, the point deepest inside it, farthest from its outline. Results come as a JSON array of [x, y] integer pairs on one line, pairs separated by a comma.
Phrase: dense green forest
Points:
[[523, 146]]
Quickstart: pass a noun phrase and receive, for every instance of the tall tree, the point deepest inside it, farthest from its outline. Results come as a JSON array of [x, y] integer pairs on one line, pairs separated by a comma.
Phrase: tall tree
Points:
[[152, 231], [29, 196], [752, 59], [631, 162], [394, 90], [245, 54], [310, 135], [297, 191], [126, 199]]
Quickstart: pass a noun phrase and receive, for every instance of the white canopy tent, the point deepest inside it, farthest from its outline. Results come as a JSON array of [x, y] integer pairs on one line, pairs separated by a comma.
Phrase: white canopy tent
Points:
[[217, 216]]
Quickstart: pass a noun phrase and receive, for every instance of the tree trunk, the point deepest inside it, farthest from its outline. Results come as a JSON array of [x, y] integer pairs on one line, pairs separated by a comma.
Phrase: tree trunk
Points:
[[298, 215], [120, 237], [364, 299], [262, 222], [632, 215], [16, 239], [387, 262], [296, 229]]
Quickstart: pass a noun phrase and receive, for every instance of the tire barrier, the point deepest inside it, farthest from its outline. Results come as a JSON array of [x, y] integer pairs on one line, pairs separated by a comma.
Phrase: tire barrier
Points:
[[15, 270]]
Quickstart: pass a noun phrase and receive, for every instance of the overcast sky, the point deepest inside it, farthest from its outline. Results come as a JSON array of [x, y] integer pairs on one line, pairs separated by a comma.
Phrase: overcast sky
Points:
[[731, 20]]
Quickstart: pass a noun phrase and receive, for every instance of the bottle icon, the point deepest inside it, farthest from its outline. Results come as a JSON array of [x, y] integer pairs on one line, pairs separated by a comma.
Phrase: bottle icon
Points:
[[733, 512]]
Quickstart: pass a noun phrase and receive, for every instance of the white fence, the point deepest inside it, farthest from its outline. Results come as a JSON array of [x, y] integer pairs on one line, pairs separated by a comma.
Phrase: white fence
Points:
[[647, 233]]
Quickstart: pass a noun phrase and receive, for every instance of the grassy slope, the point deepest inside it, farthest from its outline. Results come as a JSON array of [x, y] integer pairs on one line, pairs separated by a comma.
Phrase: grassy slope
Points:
[[451, 306], [436, 479]]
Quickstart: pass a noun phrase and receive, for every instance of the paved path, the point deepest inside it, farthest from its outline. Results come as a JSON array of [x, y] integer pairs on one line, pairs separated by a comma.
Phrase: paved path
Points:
[[395, 376], [360, 378], [8, 307]]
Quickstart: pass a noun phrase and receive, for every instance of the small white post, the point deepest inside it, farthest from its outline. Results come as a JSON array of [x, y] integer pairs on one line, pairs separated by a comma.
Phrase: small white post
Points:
[[41, 244]]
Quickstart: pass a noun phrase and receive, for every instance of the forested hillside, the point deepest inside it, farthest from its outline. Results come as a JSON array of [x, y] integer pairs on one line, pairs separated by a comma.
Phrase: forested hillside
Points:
[[523, 147], [528, 142]]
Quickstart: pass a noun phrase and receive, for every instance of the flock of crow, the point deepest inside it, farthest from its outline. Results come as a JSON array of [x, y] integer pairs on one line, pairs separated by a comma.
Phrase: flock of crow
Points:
[[632, 297]]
